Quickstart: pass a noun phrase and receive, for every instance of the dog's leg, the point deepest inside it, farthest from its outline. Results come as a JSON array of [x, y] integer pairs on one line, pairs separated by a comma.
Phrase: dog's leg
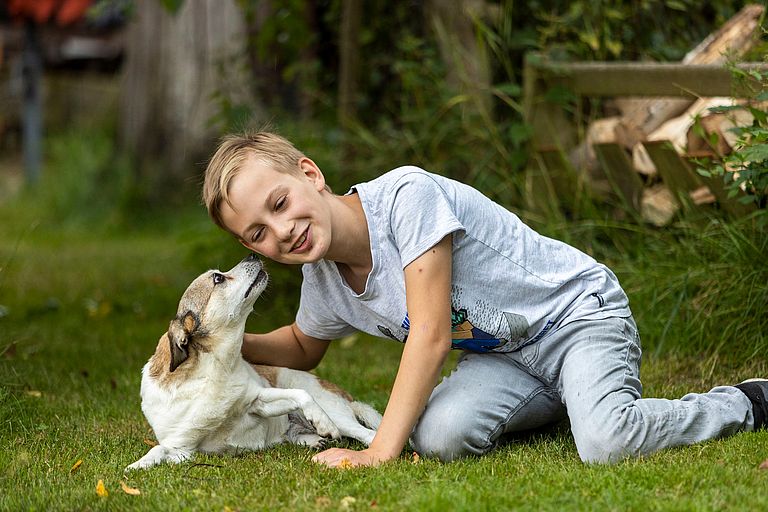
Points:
[[271, 402], [349, 427], [159, 454], [300, 431]]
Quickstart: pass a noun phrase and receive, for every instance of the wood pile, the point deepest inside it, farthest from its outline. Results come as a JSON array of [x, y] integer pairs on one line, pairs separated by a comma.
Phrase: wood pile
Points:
[[644, 152]]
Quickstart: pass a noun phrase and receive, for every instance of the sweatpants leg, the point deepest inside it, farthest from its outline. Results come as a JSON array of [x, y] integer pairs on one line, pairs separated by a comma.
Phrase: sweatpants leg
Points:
[[487, 395], [599, 370]]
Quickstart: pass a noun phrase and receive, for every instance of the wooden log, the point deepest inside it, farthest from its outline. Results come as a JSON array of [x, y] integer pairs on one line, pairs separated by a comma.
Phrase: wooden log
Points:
[[675, 131], [715, 132], [658, 206], [733, 39], [583, 157]]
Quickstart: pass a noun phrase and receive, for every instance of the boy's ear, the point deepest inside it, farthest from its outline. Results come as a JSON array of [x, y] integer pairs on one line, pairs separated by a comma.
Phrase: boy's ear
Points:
[[312, 172]]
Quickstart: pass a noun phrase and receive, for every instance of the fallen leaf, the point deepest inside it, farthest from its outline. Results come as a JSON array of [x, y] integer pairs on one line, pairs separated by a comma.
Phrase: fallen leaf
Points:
[[345, 463], [764, 464], [76, 466], [322, 501], [101, 490], [415, 459], [150, 442], [33, 392], [347, 502], [129, 490]]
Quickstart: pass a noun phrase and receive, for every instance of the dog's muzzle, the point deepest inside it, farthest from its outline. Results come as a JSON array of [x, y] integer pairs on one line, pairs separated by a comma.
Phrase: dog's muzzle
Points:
[[260, 278]]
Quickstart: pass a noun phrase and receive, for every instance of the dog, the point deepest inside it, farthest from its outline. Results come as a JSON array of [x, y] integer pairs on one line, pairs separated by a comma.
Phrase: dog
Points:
[[200, 395]]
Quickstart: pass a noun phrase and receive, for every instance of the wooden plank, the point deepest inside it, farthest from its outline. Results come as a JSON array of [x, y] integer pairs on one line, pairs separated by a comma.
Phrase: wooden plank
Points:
[[552, 130], [674, 171], [645, 78], [620, 173]]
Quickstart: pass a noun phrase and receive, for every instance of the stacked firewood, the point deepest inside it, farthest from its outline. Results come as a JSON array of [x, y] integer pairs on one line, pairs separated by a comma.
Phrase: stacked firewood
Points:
[[689, 126]]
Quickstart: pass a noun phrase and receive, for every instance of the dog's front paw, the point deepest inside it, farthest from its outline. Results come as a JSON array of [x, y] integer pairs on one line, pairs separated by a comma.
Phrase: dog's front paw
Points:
[[158, 455], [313, 441]]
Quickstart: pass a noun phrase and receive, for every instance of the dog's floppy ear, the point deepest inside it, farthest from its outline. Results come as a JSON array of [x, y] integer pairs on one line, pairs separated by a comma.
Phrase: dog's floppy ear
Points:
[[180, 333]]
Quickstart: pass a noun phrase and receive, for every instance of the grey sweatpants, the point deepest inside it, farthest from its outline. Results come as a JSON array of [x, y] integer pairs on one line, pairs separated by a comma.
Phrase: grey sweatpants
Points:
[[589, 370]]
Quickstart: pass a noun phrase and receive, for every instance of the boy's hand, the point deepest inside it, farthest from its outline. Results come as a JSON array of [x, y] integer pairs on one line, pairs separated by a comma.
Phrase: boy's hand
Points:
[[343, 458]]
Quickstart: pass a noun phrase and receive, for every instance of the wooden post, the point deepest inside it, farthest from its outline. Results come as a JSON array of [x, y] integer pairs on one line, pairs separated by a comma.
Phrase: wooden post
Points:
[[33, 109], [551, 180], [621, 175]]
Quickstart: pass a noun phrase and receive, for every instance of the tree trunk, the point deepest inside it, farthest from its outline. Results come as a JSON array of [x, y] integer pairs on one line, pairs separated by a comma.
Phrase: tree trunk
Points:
[[465, 58], [349, 72], [349, 60], [175, 64]]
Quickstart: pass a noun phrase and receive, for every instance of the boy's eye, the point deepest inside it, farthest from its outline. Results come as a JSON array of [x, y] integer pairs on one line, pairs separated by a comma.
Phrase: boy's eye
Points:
[[257, 235], [280, 203]]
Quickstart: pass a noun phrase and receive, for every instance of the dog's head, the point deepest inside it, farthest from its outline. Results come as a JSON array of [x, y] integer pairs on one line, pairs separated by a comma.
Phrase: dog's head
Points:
[[214, 305]]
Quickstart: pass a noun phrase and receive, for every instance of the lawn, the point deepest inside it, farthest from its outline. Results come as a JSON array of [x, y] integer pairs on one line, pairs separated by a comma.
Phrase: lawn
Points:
[[82, 308]]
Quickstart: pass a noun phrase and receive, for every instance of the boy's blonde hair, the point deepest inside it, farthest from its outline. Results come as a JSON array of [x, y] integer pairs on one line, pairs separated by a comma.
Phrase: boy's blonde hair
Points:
[[231, 155]]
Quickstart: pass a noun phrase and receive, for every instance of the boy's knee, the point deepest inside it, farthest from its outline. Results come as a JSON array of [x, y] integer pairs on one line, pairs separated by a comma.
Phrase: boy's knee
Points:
[[601, 450], [609, 443], [448, 434]]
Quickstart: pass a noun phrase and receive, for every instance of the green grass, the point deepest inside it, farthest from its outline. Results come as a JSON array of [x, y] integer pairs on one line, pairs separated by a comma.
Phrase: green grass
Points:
[[83, 308]]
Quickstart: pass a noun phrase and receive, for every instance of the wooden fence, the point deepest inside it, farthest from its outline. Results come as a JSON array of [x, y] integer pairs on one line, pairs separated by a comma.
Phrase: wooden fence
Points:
[[552, 181]]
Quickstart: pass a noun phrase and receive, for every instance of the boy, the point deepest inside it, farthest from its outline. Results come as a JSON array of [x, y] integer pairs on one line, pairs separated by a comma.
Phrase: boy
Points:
[[547, 331]]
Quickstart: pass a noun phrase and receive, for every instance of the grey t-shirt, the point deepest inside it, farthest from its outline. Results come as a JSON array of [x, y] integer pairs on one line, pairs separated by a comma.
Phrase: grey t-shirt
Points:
[[510, 285]]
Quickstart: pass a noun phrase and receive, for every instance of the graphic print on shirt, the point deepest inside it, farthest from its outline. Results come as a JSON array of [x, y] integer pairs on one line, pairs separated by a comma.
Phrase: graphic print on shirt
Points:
[[465, 336]]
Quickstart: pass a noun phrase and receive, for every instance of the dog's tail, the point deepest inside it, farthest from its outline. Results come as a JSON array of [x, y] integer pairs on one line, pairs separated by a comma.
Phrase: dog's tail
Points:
[[366, 414]]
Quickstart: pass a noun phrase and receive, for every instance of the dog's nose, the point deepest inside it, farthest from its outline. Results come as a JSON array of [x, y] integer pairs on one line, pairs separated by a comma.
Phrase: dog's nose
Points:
[[251, 257]]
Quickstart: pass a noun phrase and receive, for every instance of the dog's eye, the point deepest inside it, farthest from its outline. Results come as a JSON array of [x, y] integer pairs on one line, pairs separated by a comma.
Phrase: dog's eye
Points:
[[218, 278]]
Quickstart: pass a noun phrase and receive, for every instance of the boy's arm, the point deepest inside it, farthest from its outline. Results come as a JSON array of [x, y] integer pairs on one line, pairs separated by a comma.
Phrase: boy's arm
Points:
[[286, 346], [428, 292]]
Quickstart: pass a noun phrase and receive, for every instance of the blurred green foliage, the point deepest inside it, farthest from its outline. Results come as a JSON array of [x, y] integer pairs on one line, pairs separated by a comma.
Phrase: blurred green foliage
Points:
[[407, 113], [745, 170]]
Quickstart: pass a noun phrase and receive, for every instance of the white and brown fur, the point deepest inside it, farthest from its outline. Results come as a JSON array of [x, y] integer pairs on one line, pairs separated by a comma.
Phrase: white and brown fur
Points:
[[198, 393]]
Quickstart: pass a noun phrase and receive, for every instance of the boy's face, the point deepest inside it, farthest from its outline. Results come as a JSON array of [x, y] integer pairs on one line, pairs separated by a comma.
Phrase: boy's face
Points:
[[281, 216]]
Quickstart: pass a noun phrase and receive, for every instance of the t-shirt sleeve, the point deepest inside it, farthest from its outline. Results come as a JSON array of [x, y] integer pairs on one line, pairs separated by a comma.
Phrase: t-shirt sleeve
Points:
[[422, 214], [314, 317]]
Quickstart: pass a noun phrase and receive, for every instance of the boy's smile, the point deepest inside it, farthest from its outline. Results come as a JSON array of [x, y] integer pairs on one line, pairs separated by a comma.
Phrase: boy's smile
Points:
[[303, 243]]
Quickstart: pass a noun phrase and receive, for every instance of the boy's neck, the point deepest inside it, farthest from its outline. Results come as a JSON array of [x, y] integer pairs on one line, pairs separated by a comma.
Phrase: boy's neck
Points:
[[351, 246]]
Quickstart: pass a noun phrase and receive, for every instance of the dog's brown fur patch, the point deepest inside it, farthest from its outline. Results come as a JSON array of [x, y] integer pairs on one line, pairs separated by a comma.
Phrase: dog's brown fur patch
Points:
[[160, 363], [333, 388], [268, 372]]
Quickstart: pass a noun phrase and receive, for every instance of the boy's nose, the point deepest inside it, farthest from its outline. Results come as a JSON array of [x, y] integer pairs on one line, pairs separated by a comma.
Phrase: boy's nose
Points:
[[284, 231]]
